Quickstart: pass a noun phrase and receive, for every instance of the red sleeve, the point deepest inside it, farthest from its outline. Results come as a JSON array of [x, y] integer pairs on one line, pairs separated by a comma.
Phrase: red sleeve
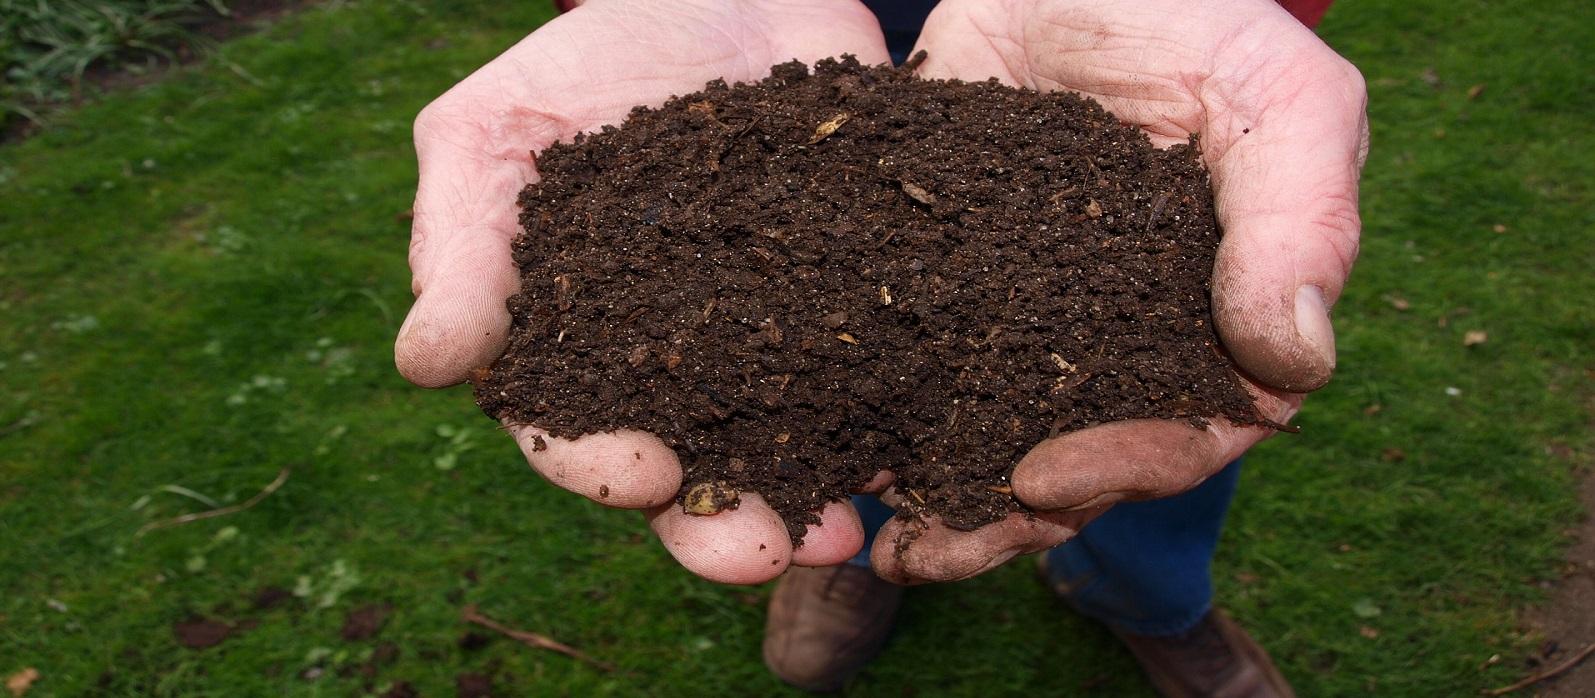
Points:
[[1308, 11]]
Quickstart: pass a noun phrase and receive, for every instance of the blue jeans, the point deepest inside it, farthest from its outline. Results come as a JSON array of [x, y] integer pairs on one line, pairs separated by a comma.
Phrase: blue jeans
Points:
[[1143, 567]]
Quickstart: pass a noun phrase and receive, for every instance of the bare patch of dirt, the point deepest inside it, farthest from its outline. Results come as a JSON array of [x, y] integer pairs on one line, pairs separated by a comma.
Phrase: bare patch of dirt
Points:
[[364, 622], [271, 597], [199, 632], [473, 686], [1568, 621]]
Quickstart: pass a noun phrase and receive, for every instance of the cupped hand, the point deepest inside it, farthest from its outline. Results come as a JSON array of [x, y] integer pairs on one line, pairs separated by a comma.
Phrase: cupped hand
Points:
[[1283, 133], [474, 144]]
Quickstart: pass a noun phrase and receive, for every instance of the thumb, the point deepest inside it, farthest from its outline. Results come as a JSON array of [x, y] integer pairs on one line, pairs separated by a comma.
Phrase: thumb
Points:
[[1286, 189], [460, 259]]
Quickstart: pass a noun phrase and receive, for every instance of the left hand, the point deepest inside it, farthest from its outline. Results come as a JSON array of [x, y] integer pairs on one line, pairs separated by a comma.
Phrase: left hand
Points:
[[1284, 134]]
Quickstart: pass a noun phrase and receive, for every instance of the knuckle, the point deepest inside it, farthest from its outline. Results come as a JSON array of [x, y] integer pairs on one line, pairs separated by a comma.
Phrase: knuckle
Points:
[[430, 118], [1352, 81], [1337, 224]]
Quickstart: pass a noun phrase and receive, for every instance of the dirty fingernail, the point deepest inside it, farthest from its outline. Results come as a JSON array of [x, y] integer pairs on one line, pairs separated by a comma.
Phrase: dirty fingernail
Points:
[[1312, 323]]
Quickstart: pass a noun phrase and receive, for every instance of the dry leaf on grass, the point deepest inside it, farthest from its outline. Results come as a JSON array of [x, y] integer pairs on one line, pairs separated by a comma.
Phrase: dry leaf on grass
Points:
[[20, 682], [1474, 338]]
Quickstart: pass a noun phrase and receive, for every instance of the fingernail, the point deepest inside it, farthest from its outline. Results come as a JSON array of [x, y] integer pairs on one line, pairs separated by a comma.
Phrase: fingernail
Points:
[[1312, 323], [1103, 499]]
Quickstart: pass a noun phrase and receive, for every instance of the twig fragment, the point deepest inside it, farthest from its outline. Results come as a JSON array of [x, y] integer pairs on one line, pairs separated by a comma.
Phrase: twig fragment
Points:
[[213, 513], [532, 639], [913, 62], [1546, 674]]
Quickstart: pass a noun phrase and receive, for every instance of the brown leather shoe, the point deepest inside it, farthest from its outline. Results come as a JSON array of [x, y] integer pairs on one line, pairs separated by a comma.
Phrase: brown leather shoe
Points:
[[1215, 659], [826, 623]]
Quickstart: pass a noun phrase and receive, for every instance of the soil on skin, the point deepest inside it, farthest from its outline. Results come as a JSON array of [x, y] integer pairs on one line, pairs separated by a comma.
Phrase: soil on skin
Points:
[[801, 282]]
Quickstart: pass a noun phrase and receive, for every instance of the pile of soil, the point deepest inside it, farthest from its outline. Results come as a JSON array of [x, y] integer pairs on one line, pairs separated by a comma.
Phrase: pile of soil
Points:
[[801, 282]]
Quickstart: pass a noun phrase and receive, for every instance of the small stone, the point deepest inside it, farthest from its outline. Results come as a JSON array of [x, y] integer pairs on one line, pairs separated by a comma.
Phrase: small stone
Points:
[[709, 498], [834, 320], [638, 356]]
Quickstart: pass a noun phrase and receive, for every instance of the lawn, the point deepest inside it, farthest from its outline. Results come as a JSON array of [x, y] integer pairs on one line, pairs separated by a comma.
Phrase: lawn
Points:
[[200, 280]]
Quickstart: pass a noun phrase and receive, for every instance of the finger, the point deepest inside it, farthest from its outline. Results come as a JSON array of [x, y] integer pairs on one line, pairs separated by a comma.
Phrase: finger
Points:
[[1285, 169], [879, 483], [1138, 459], [745, 545], [833, 541], [622, 469], [918, 552]]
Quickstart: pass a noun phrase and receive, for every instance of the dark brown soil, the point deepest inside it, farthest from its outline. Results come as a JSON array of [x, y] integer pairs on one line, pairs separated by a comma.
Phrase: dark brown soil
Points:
[[268, 598], [364, 622], [473, 686], [801, 282], [199, 632]]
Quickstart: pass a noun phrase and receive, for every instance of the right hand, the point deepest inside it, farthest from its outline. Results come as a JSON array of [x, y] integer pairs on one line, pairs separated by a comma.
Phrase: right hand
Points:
[[581, 71]]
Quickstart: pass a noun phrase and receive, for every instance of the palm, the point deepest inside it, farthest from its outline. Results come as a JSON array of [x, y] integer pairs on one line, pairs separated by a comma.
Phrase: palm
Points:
[[475, 143]]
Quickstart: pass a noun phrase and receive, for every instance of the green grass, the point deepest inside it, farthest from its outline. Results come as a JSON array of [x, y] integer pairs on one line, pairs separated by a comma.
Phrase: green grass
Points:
[[46, 46], [200, 280]]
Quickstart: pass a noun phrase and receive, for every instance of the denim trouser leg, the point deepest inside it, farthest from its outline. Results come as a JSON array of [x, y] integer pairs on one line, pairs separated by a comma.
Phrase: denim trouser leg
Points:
[[874, 514], [1143, 567], [1146, 567]]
